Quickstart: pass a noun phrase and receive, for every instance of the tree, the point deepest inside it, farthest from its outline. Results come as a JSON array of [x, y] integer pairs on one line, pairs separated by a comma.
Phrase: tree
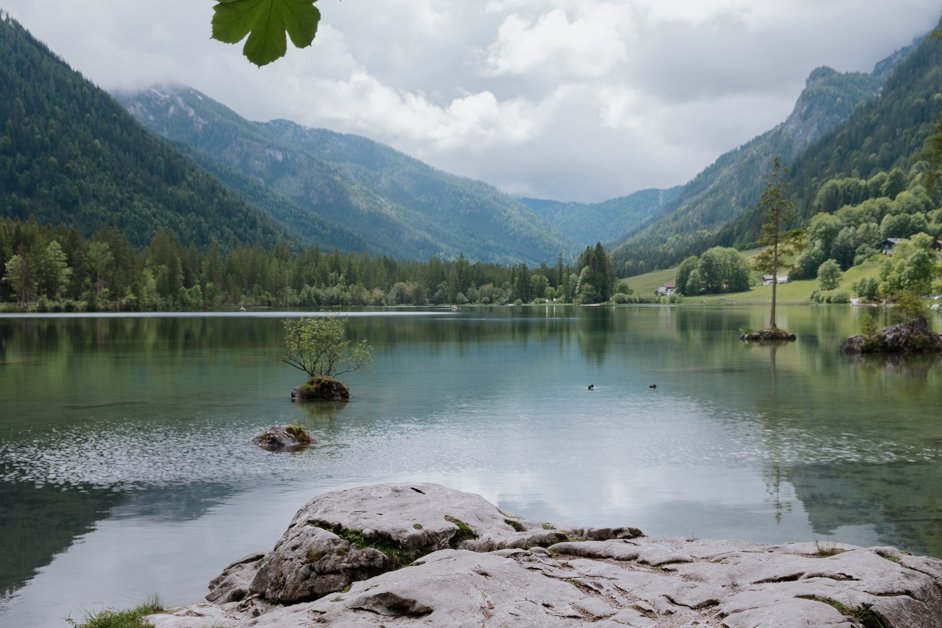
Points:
[[54, 271], [265, 22], [22, 278], [829, 274], [683, 274], [778, 206], [319, 347], [596, 278]]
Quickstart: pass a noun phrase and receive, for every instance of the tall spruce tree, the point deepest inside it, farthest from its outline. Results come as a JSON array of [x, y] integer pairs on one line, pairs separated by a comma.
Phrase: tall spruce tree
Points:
[[779, 209]]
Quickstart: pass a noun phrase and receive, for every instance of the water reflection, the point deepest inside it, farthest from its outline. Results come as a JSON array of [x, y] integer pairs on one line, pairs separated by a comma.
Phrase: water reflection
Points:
[[145, 424]]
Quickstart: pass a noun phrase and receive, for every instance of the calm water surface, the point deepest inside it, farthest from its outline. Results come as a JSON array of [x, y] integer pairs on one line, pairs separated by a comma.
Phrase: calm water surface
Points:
[[126, 467]]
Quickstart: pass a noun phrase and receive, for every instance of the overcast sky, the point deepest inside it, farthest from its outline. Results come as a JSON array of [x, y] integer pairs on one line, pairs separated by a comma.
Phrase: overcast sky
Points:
[[566, 99]]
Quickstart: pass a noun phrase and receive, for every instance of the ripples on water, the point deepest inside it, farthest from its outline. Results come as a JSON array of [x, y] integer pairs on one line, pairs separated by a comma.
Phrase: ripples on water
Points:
[[133, 456]]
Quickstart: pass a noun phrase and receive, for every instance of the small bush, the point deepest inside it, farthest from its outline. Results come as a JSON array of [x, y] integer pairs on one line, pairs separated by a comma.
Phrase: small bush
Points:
[[133, 618]]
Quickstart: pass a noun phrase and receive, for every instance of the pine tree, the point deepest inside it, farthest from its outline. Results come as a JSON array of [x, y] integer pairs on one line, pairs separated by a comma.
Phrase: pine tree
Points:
[[778, 206]]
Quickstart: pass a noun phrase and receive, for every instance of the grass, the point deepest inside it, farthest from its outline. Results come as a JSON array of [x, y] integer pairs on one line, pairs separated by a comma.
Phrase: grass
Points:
[[516, 525], [791, 293], [133, 618], [464, 533], [397, 555], [863, 613], [826, 549]]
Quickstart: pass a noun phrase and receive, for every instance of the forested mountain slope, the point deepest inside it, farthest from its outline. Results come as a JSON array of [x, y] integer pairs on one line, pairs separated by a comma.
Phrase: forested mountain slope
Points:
[[887, 133], [729, 187], [69, 154], [399, 206]]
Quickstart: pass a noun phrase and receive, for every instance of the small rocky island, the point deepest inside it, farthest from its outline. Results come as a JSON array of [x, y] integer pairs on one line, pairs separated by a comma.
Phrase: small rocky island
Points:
[[422, 554], [913, 336]]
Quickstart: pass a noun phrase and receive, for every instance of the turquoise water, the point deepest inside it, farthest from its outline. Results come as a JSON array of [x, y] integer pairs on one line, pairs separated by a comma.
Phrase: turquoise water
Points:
[[126, 467]]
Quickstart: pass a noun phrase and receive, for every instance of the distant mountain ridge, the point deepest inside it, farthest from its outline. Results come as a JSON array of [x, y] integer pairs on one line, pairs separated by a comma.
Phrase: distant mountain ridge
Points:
[[730, 187], [394, 204], [606, 222]]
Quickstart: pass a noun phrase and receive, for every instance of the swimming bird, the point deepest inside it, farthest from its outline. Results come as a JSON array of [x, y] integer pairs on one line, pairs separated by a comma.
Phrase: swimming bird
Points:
[[653, 386], [591, 386]]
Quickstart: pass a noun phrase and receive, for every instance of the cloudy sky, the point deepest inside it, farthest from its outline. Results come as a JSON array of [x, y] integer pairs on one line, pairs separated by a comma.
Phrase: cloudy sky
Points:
[[567, 99]]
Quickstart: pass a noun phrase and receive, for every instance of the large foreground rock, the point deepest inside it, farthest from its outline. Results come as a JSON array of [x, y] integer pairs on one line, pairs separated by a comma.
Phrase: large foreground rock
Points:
[[476, 566]]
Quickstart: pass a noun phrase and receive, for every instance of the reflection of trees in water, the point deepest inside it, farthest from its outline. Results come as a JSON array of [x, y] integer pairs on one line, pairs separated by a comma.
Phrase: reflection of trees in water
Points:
[[596, 333], [912, 371], [902, 501], [138, 334], [702, 325], [473, 327], [320, 414], [38, 522]]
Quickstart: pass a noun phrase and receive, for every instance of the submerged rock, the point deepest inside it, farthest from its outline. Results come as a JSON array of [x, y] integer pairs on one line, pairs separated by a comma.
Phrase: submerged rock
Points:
[[321, 389], [284, 438], [911, 337], [472, 565]]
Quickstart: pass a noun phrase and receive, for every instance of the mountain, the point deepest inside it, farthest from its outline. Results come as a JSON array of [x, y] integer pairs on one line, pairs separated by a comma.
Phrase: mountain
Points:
[[69, 154], [886, 133], [588, 223], [730, 187], [397, 205]]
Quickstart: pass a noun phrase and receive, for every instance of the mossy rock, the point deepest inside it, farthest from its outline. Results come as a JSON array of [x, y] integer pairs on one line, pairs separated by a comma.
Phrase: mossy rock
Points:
[[284, 438], [772, 334], [910, 337], [321, 389]]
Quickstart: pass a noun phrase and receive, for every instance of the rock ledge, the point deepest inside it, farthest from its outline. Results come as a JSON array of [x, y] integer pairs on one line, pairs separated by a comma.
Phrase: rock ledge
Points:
[[340, 563]]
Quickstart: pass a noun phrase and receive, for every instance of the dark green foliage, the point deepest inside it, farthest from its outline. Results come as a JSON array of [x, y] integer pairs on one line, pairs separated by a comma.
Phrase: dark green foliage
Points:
[[596, 279], [108, 273], [265, 24], [71, 155], [829, 274], [717, 271]]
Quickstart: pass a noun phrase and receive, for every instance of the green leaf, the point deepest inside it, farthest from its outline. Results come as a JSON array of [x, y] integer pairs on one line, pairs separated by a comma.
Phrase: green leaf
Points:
[[266, 22]]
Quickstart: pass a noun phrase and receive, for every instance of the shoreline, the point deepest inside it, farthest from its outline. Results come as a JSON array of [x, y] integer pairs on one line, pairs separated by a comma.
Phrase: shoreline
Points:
[[422, 554]]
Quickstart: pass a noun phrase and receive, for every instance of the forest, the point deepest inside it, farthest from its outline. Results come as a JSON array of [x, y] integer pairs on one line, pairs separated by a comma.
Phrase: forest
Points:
[[50, 268]]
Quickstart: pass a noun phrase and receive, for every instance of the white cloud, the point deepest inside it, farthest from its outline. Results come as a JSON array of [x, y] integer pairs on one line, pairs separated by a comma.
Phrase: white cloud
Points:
[[574, 99], [557, 48]]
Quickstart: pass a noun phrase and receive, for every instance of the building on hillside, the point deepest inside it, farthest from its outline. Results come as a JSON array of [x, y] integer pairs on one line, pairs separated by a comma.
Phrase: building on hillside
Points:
[[667, 290], [767, 279], [889, 244]]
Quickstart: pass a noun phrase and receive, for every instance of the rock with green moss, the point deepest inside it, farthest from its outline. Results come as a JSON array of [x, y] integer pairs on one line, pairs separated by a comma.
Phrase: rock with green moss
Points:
[[347, 536], [469, 564], [321, 389], [913, 336], [284, 438], [770, 335]]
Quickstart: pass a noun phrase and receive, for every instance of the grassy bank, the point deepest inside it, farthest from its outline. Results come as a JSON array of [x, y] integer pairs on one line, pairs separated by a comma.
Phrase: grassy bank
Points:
[[133, 618], [792, 293]]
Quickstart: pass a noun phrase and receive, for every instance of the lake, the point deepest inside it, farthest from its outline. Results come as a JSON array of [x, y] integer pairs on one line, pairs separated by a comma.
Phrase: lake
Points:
[[127, 468]]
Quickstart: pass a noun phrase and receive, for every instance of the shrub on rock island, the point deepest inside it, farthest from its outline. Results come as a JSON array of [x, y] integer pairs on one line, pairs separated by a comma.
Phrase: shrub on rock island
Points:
[[319, 347]]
